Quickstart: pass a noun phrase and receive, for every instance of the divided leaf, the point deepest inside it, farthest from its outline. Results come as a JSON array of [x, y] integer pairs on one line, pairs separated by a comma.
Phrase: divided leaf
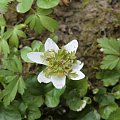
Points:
[[14, 34], [111, 49]]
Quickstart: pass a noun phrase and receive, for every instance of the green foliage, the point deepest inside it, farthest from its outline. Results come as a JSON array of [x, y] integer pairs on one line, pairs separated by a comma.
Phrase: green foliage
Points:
[[115, 115], [116, 91], [46, 4], [109, 78], [14, 34], [52, 98], [36, 46], [24, 5], [105, 111], [13, 81], [39, 21], [110, 48], [92, 115], [4, 5], [9, 113]]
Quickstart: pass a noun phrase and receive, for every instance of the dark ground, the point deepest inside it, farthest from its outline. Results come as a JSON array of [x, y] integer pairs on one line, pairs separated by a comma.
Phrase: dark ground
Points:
[[87, 22]]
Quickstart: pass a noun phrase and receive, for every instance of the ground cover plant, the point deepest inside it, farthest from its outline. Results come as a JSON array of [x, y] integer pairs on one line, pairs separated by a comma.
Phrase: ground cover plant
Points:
[[59, 60]]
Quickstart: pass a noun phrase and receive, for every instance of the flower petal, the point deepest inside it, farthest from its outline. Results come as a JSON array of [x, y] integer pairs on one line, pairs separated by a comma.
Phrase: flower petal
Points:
[[58, 81], [78, 65], [51, 45], [80, 75], [37, 57], [42, 78], [72, 46]]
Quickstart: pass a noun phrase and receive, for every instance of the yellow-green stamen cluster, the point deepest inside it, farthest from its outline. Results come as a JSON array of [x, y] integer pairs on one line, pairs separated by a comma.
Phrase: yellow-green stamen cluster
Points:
[[59, 63]]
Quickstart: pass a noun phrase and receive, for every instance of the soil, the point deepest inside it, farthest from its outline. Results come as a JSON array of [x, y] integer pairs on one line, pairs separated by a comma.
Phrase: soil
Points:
[[86, 22]]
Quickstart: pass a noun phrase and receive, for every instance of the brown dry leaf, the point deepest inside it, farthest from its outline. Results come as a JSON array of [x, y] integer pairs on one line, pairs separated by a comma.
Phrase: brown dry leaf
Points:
[[65, 2]]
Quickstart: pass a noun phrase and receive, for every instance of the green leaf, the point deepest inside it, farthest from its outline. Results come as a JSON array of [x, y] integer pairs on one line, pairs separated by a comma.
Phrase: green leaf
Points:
[[24, 6], [110, 62], [10, 91], [2, 20], [34, 113], [110, 46], [32, 100], [52, 98], [14, 34], [49, 23], [92, 115], [9, 113], [13, 64], [37, 46], [115, 115], [103, 98], [116, 91], [4, 5], [110, 78], [46, 4], [78, 88], [24, 52], [4, 47], [21, 85], [76, 104], [35, 23], [105, 111]]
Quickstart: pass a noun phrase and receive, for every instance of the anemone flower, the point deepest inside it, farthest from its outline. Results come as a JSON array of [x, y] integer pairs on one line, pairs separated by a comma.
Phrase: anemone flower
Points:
[[60, 63]]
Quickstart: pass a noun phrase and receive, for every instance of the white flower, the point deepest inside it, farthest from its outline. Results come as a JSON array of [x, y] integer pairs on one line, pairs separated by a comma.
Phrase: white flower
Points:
[[58, 80]]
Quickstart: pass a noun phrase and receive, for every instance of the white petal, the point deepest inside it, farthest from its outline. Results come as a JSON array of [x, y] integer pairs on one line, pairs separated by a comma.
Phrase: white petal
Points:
[[58, 81], [78, 65], [37, 57], [72, 46], [51, 45], [42, 78], [80, 75]]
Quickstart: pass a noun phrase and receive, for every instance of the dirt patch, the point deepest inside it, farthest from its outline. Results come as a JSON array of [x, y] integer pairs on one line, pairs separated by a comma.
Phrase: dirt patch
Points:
[[87, 23]]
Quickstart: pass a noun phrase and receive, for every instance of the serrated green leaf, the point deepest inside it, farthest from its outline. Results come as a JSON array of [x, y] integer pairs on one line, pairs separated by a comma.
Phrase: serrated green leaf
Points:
[[110, 46], [110, 62], [46, 4], [24, 6]]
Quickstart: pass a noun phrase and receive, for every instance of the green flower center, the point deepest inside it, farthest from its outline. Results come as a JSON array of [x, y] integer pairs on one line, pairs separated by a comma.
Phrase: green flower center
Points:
[[59, 63]]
